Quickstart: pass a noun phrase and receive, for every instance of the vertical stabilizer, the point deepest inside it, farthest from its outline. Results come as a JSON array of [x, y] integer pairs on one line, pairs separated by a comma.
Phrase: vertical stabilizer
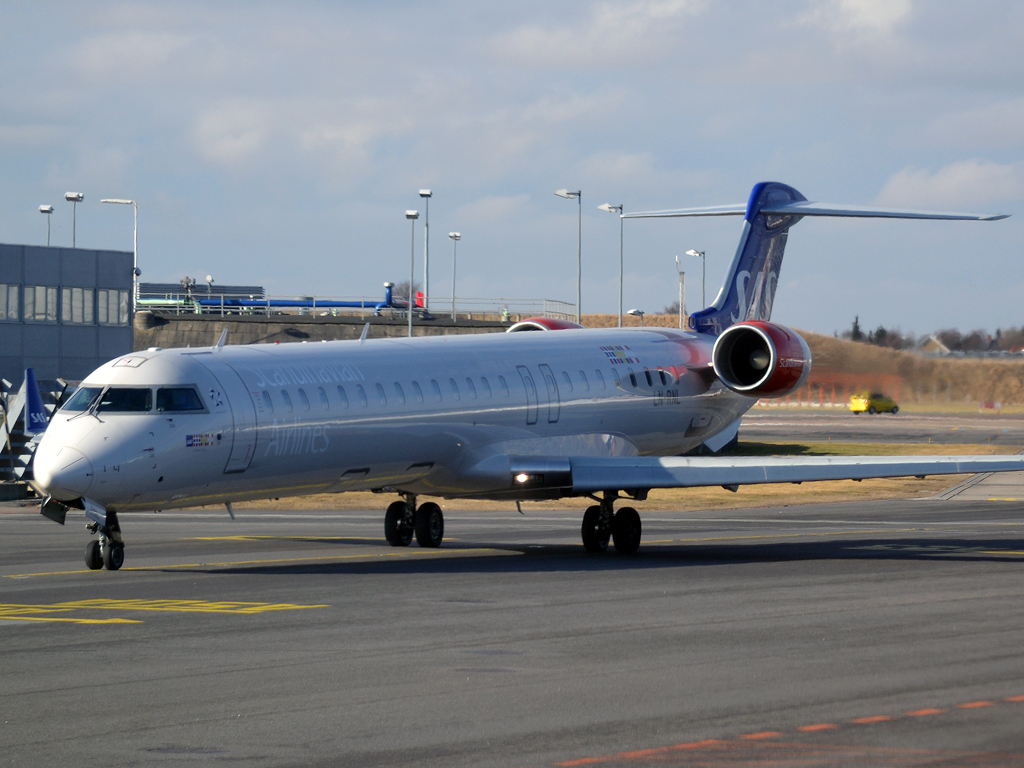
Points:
[[749, 288], [36, 418]]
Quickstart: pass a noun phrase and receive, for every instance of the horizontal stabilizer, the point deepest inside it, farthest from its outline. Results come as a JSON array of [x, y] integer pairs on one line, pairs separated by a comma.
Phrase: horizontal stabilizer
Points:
[[808, 208]]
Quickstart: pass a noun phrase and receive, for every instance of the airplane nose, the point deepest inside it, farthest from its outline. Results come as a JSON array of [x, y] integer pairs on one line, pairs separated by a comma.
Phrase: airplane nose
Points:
[[66, 473]]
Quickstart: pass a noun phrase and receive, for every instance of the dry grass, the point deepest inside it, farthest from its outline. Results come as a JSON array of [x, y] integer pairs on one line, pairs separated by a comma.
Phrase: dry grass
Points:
[[712, 498]]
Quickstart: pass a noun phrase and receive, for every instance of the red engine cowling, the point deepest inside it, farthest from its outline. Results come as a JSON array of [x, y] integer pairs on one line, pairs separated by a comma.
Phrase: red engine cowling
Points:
[[761, 359]]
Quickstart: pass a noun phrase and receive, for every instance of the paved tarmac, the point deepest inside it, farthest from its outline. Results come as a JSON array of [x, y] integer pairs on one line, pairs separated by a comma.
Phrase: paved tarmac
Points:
[[886, 633], [842, 425]]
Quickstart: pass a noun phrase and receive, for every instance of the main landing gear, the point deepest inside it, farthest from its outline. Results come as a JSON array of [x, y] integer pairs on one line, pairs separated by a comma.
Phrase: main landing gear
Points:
[[108, 551], [403, 519], [602, 523]]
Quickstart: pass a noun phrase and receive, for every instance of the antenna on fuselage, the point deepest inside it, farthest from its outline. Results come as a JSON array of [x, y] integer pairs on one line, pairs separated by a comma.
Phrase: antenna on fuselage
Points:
[[228, 503], [223, 338], [366, 330]]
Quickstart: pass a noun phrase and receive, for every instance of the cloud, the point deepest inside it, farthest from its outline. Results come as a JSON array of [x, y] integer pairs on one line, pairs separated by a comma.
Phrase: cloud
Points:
[[614, 33], [858, 19], [492, 209], [128, 53], [233, 132], [966, 184], [994, 125]]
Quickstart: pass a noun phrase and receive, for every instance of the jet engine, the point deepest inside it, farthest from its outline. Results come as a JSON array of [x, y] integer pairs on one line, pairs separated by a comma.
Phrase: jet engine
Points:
[[761, 359]]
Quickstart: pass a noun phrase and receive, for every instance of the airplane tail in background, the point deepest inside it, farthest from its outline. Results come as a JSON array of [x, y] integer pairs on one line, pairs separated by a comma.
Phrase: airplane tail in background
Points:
[[36, 418], [749, 288]]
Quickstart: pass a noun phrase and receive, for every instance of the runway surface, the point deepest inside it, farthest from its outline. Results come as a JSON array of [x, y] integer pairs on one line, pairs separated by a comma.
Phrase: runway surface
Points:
[[843, 634], [842, 425]]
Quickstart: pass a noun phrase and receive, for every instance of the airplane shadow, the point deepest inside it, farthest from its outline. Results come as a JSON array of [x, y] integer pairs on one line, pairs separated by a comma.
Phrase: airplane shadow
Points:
[[505, 558]]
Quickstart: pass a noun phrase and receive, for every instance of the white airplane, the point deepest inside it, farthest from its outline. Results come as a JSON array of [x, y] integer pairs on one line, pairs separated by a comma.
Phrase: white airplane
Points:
[[568, 411]]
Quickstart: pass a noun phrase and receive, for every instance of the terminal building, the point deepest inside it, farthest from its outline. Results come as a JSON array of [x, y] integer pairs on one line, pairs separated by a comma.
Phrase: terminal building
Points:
[[63, 311]]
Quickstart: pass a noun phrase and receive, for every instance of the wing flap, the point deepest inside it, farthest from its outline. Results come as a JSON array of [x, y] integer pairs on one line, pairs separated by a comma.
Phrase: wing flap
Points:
[[590, 475]]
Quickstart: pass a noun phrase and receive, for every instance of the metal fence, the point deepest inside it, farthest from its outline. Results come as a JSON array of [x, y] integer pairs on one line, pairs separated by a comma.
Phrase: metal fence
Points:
[[204, 303]]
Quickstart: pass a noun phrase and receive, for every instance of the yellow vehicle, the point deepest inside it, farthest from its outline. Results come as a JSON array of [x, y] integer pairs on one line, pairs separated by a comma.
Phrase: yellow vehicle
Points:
[[875, 402]]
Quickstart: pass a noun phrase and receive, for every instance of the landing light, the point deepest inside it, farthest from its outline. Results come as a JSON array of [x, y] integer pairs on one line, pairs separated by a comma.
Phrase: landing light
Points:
[[522, 477]]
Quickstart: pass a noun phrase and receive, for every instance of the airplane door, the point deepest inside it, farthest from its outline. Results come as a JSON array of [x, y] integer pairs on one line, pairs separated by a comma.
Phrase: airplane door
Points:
[[554, 401], [243, 414], [531, 394]]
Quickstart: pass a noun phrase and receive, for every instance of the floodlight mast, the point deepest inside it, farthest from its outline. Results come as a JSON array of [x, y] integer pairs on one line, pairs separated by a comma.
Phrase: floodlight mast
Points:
[[74, 198], [454, 237], [578, 197], [638, 313], [426, 194], [48, 210], [411, 216], [135, 246], [703, 272], [617, 209]]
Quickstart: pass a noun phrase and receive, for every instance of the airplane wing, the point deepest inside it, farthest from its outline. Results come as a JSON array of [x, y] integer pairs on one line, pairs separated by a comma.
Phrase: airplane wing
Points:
[[590, 475]]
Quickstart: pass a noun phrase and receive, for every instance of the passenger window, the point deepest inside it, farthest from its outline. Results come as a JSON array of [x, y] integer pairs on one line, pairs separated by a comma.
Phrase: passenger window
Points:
[[437, 389], [267, 401], [178, 399], [599, 378], [486, 386], [303, 399], [380, 394], [343, 396], [470, 388], [126, 400], [82, 399], [663, 377], [455, 388], [504, 386], [399, 393], [650, 381], [632, 378], [362, 395], [287, 400], [568, 381], [323, 398], [584, 382]]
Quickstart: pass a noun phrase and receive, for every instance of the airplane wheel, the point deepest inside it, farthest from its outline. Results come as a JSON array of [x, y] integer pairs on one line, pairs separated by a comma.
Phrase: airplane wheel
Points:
[[113, 555], [871, 410], [397, 534], [594, 539], [626, 531], [895, 410], [429, 525], [93, 556]]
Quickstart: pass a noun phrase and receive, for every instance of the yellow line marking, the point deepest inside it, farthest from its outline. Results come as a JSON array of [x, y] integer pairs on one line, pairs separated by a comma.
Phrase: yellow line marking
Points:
[[781, 536], [1001, 498], [227, 564], [22, 612]]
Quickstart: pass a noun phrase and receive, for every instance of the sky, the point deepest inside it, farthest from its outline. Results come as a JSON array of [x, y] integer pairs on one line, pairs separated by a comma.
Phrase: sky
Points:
[[281, 144]]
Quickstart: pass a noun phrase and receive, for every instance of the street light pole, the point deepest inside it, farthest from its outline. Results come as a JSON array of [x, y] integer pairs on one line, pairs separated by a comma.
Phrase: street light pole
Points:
[[638, 313], [74, 198], [578, 197], [135, 247], [455, 237], [48, 210], [617, 209], [682, 291], [703, 273], [412, 216], [426, 195]]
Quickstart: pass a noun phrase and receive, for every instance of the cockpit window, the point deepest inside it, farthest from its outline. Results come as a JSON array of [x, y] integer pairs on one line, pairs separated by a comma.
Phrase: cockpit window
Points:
[[125, 400], [178, 399], [82, 399]]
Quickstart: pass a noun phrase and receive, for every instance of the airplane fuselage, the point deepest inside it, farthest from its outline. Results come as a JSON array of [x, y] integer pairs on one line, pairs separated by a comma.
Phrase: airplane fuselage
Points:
[[431, 415]]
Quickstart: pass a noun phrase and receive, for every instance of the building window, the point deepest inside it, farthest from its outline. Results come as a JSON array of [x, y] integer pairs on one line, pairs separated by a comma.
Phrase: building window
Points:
[[9, 302], [76, 306], [112, 307], [41, 303]]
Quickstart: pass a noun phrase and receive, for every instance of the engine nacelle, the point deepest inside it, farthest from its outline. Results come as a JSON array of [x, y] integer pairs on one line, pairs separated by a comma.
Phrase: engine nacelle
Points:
[[761, 359]]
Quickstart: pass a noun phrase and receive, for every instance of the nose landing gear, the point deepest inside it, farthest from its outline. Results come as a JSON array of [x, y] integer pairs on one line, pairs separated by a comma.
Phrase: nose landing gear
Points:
[[108, 551], [601, 524], [402, 520]]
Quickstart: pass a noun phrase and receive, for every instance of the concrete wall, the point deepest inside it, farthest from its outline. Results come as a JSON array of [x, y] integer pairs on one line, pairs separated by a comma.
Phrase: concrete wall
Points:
[[53, 348], [169, 331]]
